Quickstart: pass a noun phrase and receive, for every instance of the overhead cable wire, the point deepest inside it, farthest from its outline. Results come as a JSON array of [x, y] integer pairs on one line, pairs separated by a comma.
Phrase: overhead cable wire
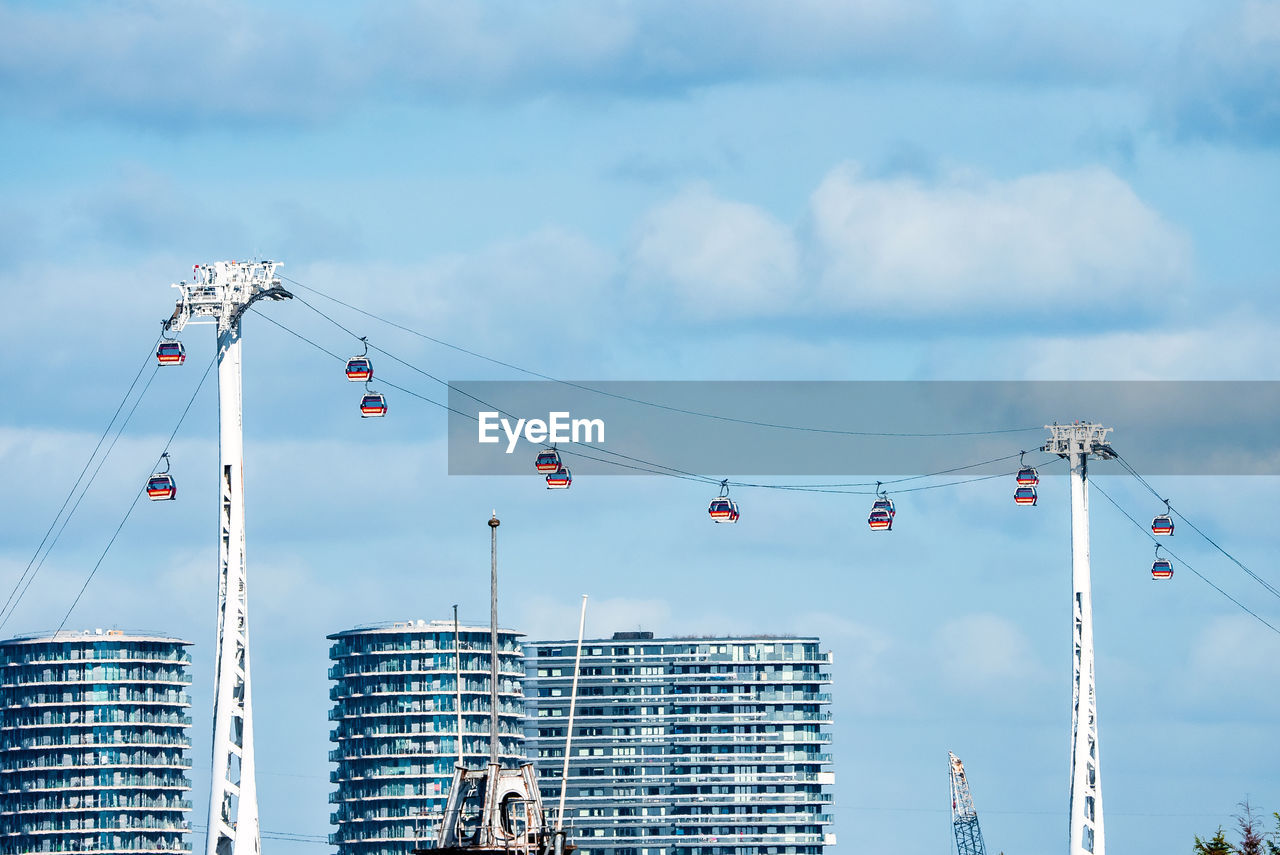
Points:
[[88, 462], [697, 413], [1270, 588], [634, 463], [1183, 562], [80, 498], [138, 495], [656, 468]]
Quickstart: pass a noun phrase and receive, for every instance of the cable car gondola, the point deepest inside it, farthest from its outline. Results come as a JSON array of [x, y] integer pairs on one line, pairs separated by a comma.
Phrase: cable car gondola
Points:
[[1163, 523], [171, 352], [723, 509], [1025, 496], [372, 405], [1027, 475], [360, 368], [880, 520], [548, 460], [160, 486], [559, 480], [1161, 568]]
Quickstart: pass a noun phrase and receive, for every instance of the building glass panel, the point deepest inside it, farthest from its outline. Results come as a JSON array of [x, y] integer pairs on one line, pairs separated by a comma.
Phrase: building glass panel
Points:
[[395, 712], [93, 743], [686, 746]]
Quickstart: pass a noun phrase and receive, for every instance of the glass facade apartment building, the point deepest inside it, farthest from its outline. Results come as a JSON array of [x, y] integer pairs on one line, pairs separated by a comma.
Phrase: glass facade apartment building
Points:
[[395, 710], [686, 746], [93, 743]]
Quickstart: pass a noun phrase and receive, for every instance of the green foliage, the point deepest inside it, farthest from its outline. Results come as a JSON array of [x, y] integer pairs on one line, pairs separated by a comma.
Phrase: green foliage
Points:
[[1218, 845], [1253, 839]]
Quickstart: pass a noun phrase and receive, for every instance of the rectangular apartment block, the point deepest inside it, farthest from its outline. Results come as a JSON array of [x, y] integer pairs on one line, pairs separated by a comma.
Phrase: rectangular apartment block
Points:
[[686, 746]]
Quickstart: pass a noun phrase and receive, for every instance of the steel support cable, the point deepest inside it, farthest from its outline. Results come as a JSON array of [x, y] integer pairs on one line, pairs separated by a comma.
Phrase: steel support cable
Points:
[[80, 498], [138, 495], [676, 472], [639, 464], [654, 468], [132, 385], [1183, 561], [1275, 592], [596, 391], [290, 836]]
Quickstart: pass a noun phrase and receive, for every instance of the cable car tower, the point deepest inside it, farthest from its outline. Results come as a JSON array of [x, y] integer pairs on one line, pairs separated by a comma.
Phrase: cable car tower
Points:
[[220, 294], [1077, 443], [964, 818]]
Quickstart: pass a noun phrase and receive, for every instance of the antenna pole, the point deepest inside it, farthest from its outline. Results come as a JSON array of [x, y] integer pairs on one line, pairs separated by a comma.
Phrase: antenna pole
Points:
[[493, 639], [457, 680], [1077, 443], [573, 704]]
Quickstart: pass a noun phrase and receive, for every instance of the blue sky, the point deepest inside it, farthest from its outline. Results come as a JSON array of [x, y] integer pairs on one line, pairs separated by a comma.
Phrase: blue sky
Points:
[[662, 190]]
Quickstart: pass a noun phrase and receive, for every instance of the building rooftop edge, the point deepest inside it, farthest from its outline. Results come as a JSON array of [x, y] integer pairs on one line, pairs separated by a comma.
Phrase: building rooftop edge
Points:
[[113, 635], [390, 627], [680, 638]]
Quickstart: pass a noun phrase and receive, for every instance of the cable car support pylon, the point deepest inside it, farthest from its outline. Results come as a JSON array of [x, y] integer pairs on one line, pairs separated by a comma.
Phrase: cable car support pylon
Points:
[[1077, 443], [219, 294]]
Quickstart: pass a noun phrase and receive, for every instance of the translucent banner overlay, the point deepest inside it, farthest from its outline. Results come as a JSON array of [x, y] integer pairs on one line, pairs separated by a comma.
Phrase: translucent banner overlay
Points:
[[823, 428]]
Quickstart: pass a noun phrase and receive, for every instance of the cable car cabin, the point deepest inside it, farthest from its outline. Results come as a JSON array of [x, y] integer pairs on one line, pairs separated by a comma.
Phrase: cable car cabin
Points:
[[1028, 476], [359, 369], [723, 510], [548, 460], [161, 487], [559, 480], [1162, 525], [885, 505], [495, 811], [1161, 568], [373, 406], [1025, 495], [171, 353], [880, 520]]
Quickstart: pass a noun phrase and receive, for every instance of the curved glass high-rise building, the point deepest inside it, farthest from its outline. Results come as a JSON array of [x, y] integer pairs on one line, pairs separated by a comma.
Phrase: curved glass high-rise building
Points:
[[93, 743], [396, 710]]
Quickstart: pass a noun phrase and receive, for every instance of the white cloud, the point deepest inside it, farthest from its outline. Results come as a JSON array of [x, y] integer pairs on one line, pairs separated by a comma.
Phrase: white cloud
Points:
[[193, 63], [1232, 668], [1055, 243], [1224, 84], [715, 257], [1235, 346], [984, 652], [174, 63], [1058, 241]]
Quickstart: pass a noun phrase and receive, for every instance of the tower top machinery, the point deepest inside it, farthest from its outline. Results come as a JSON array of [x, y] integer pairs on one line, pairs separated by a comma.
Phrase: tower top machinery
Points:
[[964, 819]]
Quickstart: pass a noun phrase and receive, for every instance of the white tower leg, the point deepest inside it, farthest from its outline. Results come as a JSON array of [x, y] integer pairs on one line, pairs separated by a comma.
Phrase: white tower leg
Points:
[[233, 797], [220, 293], [1086, 836]]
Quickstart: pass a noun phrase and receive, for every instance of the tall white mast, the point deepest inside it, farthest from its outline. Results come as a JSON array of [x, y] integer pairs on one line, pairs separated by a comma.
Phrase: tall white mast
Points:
[[220, 294], [1077, 443]]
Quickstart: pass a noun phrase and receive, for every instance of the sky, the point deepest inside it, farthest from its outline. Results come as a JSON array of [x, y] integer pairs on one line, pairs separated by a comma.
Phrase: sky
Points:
[[864, 190]]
